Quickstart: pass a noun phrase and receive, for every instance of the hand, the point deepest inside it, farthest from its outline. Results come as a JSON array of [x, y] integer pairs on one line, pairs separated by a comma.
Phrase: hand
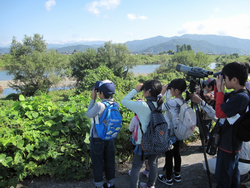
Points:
[[164, 89], [93, 94], [220, 84], [195, 98], [138, 87]]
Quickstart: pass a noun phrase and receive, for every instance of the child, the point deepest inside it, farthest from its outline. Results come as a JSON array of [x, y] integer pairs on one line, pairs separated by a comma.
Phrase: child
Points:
[[178, 86], [229, 106], [151, 90], [209, 98], [134, 127], [101, 150]]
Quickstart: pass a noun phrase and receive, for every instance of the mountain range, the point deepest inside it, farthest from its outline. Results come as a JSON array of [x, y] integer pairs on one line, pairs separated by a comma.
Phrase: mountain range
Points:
[[214, 44]]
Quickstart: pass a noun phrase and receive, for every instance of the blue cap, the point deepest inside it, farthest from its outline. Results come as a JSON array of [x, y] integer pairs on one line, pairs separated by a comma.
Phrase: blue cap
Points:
[[105, 86]]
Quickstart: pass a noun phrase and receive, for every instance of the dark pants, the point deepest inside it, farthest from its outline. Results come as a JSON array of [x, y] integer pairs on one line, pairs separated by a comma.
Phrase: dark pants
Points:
[[227, 173], [136, 166], [174, 153], [102, 154]]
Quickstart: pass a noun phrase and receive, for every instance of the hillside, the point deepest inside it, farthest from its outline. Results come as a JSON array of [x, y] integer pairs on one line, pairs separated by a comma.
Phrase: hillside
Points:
[[206, 43], [197, 46]]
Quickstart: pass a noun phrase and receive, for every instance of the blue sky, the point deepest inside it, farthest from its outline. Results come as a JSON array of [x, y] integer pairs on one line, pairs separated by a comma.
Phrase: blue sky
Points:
[[68, 21]]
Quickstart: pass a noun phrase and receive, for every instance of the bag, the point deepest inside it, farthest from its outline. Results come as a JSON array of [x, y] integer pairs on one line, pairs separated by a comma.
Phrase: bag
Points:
[[136, 122], [156, 139], [214, 139], [186, 121], [110, 123], [243, 125]]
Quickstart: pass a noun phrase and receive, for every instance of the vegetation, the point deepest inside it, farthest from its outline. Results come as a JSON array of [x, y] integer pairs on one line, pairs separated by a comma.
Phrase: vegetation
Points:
[[33, 68], [48, 133]]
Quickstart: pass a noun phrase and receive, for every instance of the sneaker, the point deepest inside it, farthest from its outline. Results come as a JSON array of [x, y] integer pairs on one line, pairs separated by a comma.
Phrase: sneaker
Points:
[[163, 179], [144, 185], [107, 185], [146, 172], [177, 177], [129, 172]]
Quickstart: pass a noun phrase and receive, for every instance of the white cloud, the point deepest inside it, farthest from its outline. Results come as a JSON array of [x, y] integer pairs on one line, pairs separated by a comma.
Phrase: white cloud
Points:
[[95, 6], [134, 17], [238, 26], [128, 33], [216, 9], [49, 4]]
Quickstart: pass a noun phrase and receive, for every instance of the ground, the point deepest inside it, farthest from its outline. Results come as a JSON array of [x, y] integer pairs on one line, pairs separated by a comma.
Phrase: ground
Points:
[[192, 172]]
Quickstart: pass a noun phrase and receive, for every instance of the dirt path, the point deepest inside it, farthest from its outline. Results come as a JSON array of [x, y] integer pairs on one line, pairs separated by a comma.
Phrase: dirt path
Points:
[[192, 171]]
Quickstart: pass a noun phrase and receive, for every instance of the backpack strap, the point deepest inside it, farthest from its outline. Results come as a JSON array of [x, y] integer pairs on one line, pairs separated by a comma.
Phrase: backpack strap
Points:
[[151, 105]]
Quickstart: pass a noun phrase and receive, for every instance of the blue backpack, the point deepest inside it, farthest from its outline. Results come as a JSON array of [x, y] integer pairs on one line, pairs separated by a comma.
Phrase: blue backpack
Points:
[[110, 123]]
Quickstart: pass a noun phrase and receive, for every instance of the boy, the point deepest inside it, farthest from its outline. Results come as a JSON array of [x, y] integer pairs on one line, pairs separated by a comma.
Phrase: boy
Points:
[[209, 97], [100, 150], [229, 106]]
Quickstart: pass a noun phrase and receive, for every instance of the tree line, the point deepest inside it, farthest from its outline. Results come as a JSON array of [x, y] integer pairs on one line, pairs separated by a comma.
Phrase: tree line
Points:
[[35, 68]]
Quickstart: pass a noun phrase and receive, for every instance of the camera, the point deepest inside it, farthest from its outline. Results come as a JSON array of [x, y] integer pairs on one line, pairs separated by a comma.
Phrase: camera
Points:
[[169, 86], [142, 87], [196, 72], [219, 73]]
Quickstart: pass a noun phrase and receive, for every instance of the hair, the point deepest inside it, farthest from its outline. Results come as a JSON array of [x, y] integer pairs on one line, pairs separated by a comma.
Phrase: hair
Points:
[[105, 96], [154, 87], [238, 70], [211, 84], [179, 84]]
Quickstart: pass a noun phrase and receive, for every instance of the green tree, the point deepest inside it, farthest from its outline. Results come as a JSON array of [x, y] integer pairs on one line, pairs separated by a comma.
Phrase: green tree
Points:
[[82, 61], [178, 48], [191, 59], [170, 52], [116, 57], [33, 68], [189, 48]]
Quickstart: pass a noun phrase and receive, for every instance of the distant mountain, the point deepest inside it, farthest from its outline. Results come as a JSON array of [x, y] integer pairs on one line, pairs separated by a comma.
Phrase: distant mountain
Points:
[[197, 45], [71, 49], [89, 43], [4, 50], [138, 45], [205, 43], [225, 42]]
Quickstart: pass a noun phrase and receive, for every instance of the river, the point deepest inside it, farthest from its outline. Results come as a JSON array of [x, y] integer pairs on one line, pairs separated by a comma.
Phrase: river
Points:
[[137, 69]]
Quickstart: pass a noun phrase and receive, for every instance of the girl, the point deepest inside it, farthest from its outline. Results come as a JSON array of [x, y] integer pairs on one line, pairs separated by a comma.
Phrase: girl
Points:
[[177, 87], [151, 91]]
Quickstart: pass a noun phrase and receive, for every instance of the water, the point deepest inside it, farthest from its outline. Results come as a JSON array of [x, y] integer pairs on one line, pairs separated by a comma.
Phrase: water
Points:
[[4, 76], [145, 68]]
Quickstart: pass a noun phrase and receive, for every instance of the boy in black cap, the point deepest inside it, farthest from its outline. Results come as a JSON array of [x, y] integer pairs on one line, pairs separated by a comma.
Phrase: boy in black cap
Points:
[[101, 150]]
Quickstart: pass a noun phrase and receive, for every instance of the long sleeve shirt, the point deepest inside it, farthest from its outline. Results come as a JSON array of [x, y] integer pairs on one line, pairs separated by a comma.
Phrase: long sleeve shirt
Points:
[[142, 110]]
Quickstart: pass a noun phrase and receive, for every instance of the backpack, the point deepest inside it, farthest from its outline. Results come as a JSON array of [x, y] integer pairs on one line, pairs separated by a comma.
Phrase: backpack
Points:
[[110, 123], [243, 124], [186, 121], [156, 139]]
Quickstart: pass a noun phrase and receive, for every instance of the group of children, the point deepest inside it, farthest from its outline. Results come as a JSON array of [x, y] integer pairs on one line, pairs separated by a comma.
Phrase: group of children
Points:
[[227, 174]]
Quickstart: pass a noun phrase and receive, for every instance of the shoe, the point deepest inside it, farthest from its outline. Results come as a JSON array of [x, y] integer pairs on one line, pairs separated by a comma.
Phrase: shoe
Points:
[[177, 177], [107, 185], [129, 172], [163, 179], [146, 172], [144, 185]]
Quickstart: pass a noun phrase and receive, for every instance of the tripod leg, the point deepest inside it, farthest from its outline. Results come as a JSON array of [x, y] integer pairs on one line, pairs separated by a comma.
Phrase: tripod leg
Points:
[[203, 137]]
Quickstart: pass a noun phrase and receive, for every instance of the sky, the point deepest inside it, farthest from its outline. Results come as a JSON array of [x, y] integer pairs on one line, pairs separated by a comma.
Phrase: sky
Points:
[[119, 21]]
